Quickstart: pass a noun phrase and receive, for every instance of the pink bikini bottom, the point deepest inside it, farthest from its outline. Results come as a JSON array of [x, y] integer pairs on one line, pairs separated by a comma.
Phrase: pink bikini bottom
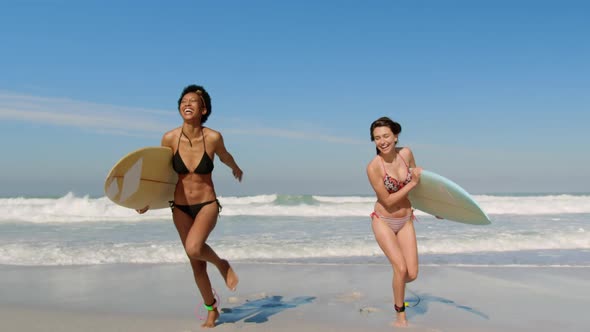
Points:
[[394, 223]]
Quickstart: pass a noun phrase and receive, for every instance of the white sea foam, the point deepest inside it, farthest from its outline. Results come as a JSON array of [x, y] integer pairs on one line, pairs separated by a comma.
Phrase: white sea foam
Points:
[[71, 230], [505, 241], [249, 200], [71, 208], [534, 205], [273, 249], [345, 199]]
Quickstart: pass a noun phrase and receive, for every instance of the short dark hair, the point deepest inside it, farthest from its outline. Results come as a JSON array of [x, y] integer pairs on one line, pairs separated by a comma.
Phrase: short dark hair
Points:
[[204, 97], [384, 121]]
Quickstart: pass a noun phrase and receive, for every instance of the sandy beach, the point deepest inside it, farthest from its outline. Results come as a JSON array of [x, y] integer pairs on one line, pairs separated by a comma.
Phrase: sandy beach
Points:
[[294, 297]]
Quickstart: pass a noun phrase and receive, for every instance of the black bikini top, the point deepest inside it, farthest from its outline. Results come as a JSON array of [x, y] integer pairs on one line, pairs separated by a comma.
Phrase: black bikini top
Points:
[[205, 165]]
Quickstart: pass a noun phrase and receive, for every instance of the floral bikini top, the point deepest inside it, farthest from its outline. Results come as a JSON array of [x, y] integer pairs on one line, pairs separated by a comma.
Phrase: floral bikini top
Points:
[[391, 184]]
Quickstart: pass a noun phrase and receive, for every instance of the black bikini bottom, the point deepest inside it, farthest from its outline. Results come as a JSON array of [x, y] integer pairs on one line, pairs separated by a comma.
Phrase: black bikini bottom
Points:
[[193, 210]]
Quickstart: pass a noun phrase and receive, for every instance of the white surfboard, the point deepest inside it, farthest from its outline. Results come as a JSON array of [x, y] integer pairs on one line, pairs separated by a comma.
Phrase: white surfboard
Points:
[[142, 178], [439, 196]]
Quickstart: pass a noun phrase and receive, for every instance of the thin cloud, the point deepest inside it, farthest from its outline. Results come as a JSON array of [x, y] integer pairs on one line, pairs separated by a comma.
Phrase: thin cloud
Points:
[[125, 121], [83, 115], [298, 135]]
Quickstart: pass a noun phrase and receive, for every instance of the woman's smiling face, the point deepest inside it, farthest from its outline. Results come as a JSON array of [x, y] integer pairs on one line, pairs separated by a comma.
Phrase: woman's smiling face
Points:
[[191, 106], [384, 139]]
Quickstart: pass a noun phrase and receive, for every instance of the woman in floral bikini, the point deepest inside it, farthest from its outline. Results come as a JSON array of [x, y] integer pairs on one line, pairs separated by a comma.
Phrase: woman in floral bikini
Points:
[[393, 218]]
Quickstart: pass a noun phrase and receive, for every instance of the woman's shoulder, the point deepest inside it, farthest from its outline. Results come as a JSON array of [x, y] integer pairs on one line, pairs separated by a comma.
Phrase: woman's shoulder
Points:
[[170, 135], [405, 151], [374, 163], [211, 133], [173, 132]]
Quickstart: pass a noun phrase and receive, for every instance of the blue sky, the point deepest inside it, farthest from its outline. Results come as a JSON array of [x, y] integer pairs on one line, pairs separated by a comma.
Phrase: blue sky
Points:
[[491, 94]]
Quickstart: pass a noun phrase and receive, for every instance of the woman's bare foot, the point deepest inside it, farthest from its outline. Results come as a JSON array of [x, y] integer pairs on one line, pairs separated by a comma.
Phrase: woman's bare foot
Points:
[[401, 320], [211, 318], [230, 277]]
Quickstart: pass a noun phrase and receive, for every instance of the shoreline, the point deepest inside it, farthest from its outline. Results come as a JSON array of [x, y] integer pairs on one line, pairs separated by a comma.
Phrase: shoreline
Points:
[[293, 297]]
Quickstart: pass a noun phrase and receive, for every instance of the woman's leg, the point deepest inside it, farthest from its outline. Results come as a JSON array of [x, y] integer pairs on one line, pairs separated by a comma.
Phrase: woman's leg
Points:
[[389, 243], [193, 235], [407, 241], [197, 248]]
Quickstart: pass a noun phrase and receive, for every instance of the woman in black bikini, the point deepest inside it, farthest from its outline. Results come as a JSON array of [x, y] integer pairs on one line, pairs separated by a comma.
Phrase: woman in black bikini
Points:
[[393, 174], [195, 207]]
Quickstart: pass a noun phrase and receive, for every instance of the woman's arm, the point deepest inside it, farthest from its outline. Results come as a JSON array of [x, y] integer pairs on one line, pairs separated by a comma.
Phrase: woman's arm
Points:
[[410, 157], [383, 196], [226, 157], [376, 179], [167, 140]]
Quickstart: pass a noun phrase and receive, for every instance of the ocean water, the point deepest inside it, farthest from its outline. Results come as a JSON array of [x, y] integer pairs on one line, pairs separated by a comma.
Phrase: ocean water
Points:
[[526, 230]]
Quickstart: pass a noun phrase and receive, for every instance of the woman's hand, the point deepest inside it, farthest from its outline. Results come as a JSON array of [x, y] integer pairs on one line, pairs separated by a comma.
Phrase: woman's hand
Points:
[[416, 172], [144, 210], [237, 172]]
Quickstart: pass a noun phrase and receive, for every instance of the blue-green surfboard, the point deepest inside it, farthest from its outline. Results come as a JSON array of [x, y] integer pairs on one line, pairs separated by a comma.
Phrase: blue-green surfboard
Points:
[[439, 196]]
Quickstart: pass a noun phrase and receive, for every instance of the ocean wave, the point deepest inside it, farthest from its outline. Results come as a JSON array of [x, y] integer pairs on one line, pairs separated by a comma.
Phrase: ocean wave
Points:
[[71, 208], [534, 205], [497, 249]]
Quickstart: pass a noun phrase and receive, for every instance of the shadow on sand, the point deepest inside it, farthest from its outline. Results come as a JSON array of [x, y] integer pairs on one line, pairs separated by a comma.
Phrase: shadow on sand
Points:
[[258, 311], [419, 304]]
